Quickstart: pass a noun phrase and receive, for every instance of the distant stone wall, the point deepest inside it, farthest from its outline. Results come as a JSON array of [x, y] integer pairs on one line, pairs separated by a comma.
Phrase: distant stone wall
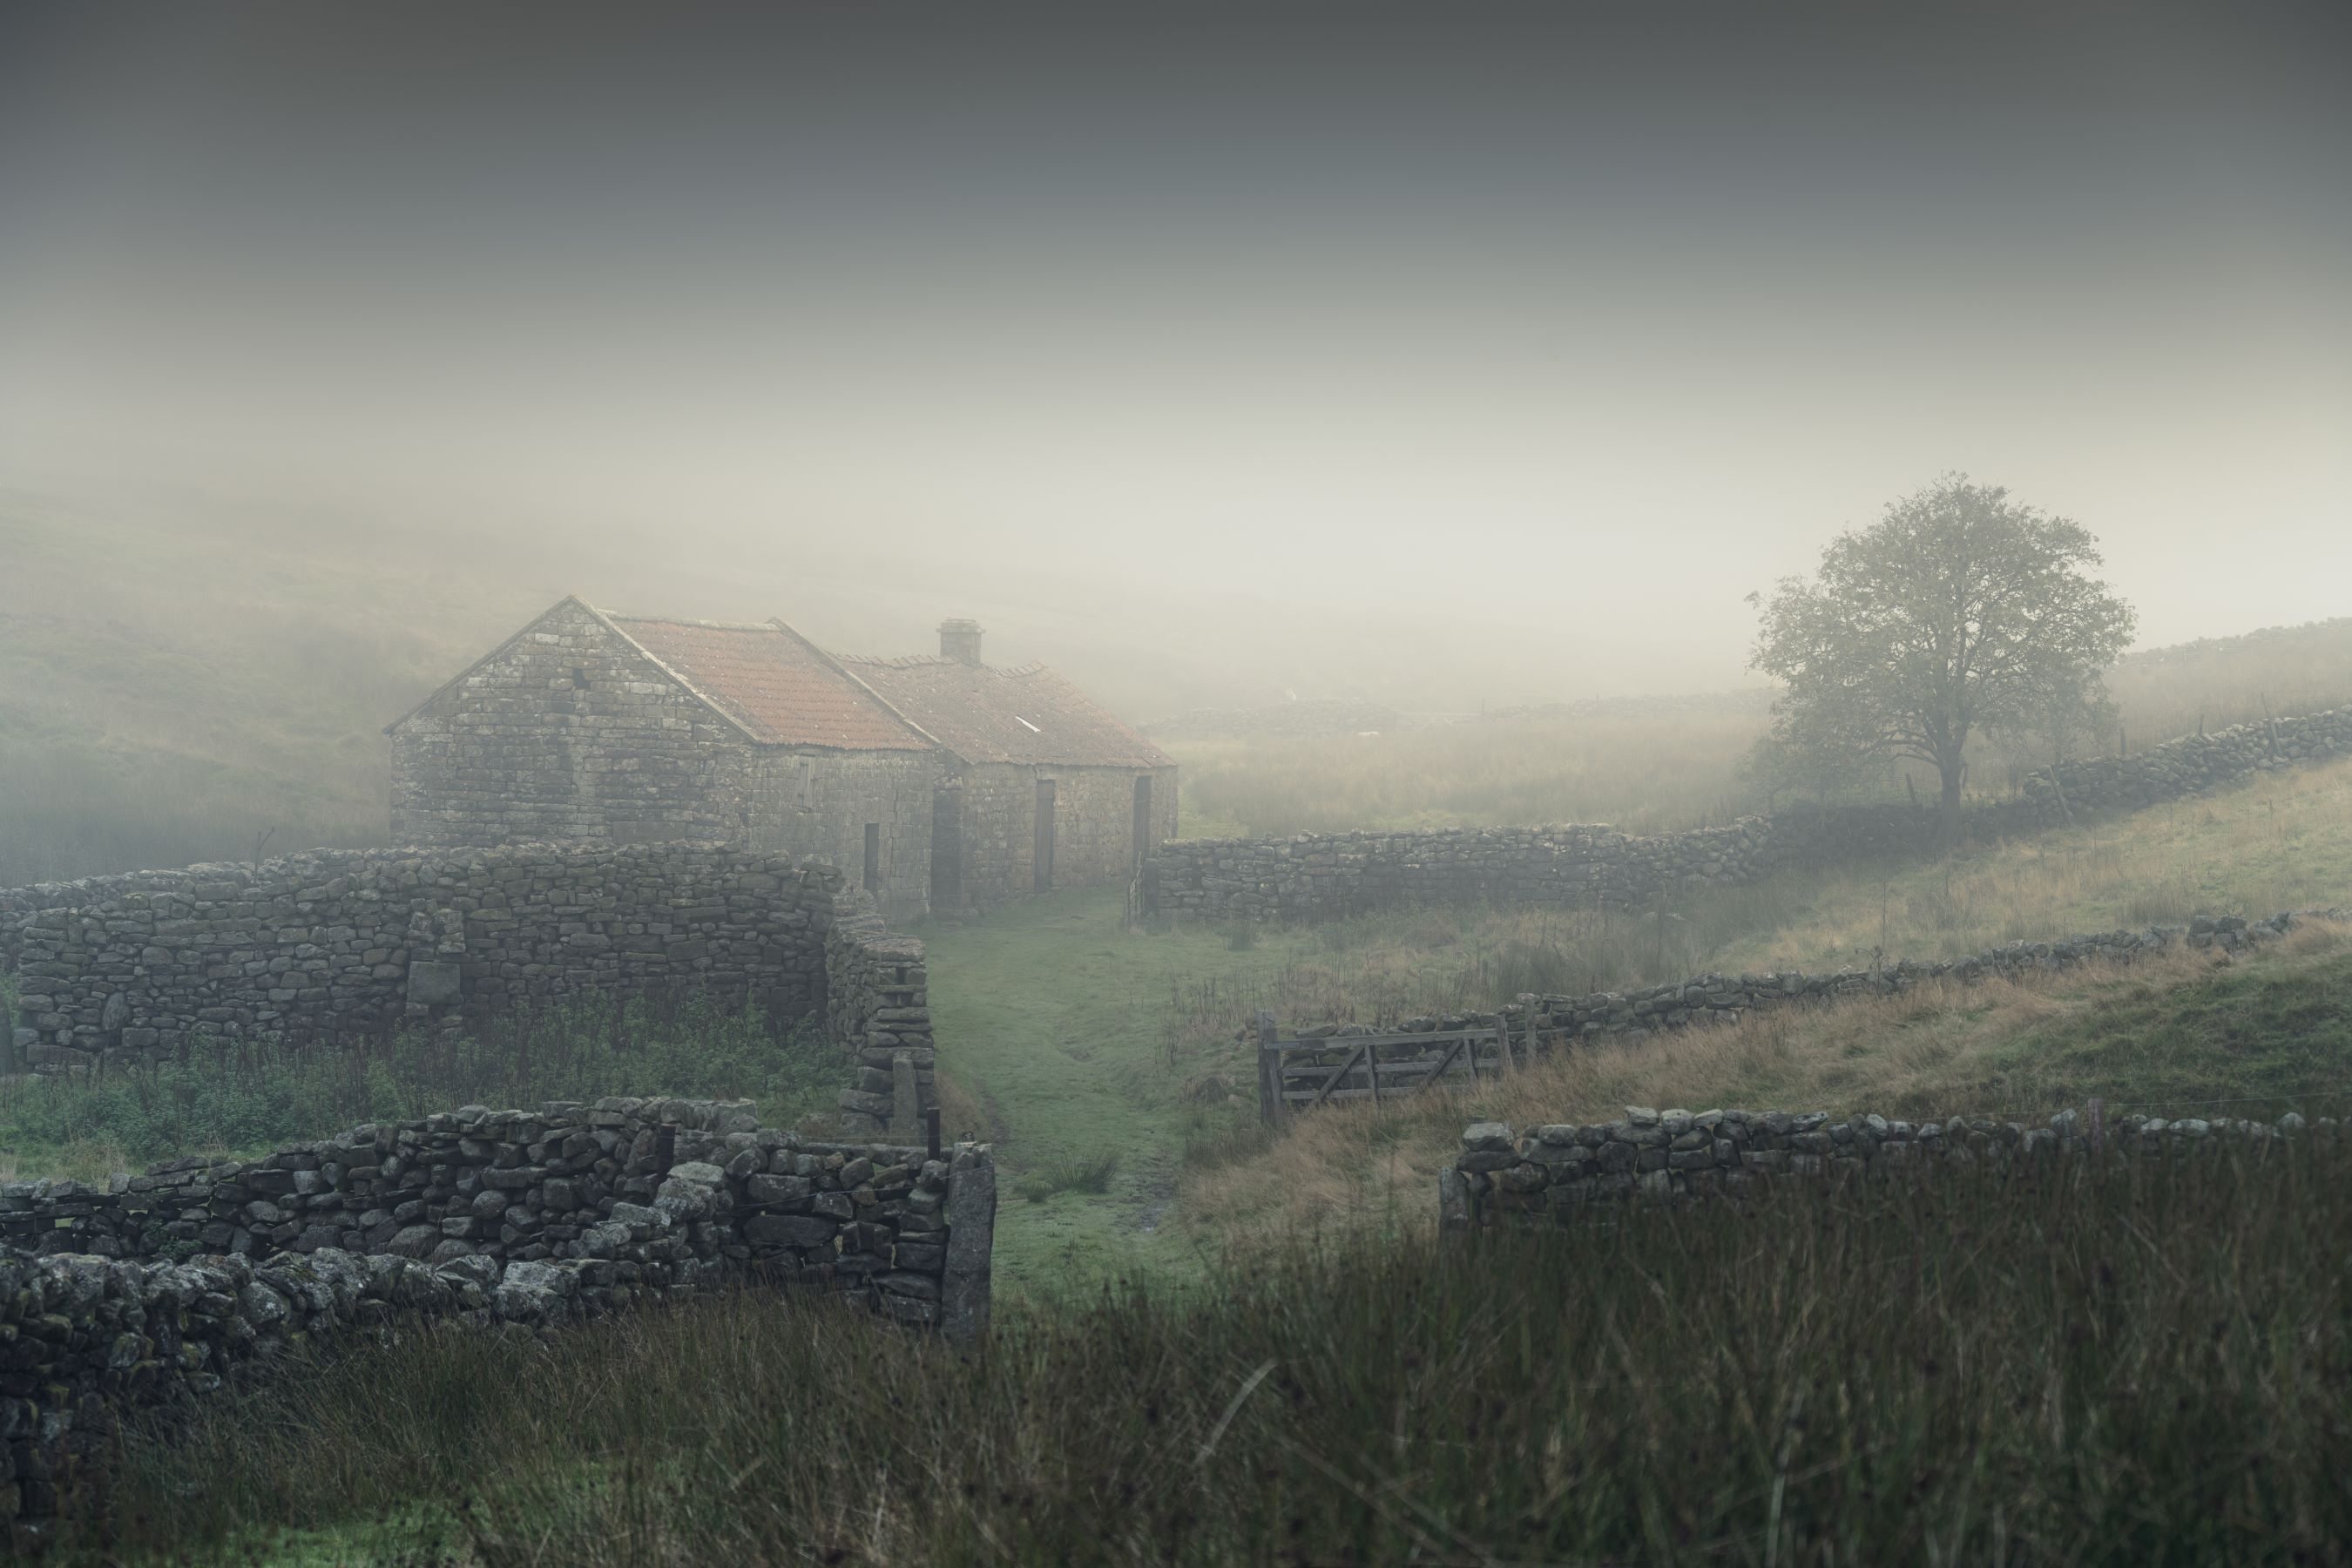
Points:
[[1329, 876], [1548, 1024], [1725, 998], [116, 969], [525, 1218], [1553, 1174]]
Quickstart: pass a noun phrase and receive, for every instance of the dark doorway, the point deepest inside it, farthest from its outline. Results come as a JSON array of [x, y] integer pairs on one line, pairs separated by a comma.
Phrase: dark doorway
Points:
[[1142, 818], [947, 844], [873, 857], [1043, 861]]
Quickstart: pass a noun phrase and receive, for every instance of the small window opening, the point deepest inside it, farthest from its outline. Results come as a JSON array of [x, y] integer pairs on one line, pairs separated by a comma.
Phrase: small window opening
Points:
[[808, 783], [873, 857], [580, 677]]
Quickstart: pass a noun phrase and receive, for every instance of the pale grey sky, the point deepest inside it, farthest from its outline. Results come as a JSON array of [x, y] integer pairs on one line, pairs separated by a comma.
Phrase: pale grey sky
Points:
[[1574, 326]]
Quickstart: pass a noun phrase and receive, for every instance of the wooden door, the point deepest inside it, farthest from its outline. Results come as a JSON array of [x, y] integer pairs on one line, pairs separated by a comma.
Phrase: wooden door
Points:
[[947, 844], [1042, 863], [1142, 818]]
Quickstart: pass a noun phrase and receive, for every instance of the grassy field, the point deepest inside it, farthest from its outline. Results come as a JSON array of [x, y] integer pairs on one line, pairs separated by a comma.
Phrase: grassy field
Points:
[[1681, 767], [1076, 1041], [2254, 1037], [241, 1099], [2027, 1368]]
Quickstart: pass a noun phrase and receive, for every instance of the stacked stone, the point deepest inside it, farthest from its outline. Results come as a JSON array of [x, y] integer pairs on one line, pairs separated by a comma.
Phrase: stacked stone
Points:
[[877, 1003], [2192, 764], [660, 1191], [538, 1218], [1329, 876], [89, 1337], [117, 968], [1708, 999], [1557, 1171], [1724, 999]]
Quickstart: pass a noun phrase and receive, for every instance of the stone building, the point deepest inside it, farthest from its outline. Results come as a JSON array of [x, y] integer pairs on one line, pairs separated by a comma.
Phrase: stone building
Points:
[[940, 782]]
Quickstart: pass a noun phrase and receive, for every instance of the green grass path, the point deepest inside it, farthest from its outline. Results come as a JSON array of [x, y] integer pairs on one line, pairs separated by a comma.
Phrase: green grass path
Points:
[[1054, 1018]]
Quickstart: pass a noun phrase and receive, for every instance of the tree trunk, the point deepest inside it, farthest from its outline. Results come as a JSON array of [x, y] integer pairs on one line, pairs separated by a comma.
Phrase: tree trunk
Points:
[[1948, 817]]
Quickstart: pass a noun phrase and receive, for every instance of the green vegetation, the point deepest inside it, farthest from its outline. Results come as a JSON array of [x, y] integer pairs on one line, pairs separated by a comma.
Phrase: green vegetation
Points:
[[2034, 1366], [2180, 1036], [1959, 614], [242, 1098], [1080, 1035]]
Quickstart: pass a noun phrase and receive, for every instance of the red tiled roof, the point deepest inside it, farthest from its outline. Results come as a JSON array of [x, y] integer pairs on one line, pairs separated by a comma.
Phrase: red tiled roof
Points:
[[984, 714], [774, 683]]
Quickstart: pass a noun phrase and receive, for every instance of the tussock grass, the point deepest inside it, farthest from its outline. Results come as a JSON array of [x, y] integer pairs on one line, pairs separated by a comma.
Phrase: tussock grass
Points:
[[2024, 1367], [239, 1097], [2281, 841], [2178, 1033]]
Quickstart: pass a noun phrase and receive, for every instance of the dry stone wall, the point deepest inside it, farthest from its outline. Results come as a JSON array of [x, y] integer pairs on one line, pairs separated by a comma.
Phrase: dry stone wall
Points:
[[879, 1005], [1331, 876], [167, 1284], [116, 968], [1548, 1024], [1725, 998], [1556, 1174]]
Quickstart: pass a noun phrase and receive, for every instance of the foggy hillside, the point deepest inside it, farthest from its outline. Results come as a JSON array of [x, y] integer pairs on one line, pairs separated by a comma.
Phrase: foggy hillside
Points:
[[182, 673]]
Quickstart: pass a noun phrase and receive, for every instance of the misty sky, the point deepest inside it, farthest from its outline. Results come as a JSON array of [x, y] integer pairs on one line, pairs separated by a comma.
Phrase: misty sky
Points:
[[1575, 323]]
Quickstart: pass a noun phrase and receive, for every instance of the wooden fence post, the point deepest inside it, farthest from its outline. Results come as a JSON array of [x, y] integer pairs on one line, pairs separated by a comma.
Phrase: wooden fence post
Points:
[[1270, 1105]]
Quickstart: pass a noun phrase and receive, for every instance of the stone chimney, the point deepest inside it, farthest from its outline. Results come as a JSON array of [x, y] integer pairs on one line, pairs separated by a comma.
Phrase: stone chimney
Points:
[[960, 640]]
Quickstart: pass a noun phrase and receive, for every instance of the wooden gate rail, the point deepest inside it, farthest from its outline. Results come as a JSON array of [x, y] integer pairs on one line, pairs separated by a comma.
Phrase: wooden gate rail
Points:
[[1285, 1090]]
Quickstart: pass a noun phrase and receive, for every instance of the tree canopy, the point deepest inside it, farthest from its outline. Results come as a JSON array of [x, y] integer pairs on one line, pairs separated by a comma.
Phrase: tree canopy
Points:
[[1959, 611]]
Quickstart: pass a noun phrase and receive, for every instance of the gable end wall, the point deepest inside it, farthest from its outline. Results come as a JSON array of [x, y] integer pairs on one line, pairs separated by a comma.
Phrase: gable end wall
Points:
[[520, 752]]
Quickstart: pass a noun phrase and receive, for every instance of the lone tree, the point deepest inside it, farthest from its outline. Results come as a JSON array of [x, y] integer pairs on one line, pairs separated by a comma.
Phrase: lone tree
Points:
[[1960, 611]]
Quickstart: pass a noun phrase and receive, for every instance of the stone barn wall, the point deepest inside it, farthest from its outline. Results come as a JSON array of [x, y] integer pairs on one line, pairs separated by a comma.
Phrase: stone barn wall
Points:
[[1331, 876], [568, 733], [170, 1284], [816, 806], [1094, 827]]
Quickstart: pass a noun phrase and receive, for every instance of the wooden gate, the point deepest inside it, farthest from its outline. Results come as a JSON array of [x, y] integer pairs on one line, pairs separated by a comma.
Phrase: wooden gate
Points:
[[1299, 1074]]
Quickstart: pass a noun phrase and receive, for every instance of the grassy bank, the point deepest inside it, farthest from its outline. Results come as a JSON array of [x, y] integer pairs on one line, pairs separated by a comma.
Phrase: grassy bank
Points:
[[2183, 1035], [2035, 1368], [1106, 1062]]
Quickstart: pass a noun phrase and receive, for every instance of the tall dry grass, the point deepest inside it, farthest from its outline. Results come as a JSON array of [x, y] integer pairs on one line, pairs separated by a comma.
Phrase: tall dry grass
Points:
[[2176, 1031], [1987, 1367]]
